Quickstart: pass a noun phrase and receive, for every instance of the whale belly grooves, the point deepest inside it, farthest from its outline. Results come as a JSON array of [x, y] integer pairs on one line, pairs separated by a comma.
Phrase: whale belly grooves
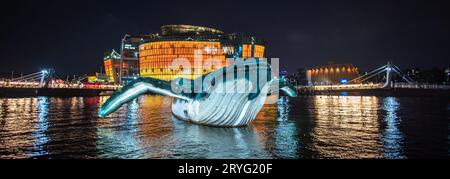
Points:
[[222, 108], [230, 102]]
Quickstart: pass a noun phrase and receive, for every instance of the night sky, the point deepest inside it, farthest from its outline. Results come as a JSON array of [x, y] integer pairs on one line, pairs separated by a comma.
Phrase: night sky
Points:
[[72, 36]]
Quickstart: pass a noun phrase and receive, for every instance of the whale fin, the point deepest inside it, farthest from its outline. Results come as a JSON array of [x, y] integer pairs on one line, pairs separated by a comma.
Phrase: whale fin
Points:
[[285, 86], [136, 88]]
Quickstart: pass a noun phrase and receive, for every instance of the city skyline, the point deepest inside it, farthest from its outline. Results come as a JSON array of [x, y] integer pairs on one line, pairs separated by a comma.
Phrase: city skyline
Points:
[[72, 36]]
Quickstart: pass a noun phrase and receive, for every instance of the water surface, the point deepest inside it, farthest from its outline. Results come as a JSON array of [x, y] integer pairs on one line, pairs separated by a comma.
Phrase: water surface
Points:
[[302, 127]]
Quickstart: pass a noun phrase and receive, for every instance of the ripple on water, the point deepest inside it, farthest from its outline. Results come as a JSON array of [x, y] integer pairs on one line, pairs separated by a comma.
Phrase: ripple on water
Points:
[[303, 127]]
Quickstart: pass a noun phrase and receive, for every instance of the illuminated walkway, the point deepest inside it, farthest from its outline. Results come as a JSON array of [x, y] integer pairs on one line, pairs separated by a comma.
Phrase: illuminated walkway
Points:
[[358, 83], [43, 79]]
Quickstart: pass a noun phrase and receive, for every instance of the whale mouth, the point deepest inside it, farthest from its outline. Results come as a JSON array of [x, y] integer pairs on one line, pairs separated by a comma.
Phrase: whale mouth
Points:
[[102, 113], [107, 109]]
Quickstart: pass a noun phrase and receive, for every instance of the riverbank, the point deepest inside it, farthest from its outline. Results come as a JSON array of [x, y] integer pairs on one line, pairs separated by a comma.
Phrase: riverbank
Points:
[[398, 92], [75, 92], [51, 92]]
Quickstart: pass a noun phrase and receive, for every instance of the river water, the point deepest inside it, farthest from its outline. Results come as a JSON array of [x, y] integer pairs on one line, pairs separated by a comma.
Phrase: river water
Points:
[[297, 128]]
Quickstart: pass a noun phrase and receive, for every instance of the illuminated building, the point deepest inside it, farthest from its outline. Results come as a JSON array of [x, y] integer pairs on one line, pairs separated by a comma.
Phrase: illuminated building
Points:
[[129, 53], [128, 57], [97, 77], [116, 73], [332, 74], [196, 45], [153, 55], [112, 65]]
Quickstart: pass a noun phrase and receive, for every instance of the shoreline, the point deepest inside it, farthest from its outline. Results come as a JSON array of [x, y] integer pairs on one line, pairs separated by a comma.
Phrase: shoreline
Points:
[[50, 92], [397, 92], [56, 92]]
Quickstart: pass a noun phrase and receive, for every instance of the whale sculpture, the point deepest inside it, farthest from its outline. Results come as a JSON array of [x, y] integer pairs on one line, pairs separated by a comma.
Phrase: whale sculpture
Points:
[[229, 97]]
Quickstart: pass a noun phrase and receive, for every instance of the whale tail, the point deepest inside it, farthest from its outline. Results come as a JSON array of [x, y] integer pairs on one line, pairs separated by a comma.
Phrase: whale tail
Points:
[[284, 86]]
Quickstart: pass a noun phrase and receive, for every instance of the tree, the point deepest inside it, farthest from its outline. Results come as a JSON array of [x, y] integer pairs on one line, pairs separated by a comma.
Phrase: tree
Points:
[[300, 76]]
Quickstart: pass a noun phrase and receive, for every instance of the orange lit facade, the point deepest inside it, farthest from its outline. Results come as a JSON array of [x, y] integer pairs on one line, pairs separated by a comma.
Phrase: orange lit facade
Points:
[[112, 65], [258, 51], [153, 55], [156, 58], [332, 74], [196, 45], [109, 71]]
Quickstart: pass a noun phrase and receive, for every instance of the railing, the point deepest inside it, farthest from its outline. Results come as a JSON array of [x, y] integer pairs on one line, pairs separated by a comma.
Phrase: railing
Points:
[[34, 84], [341, 87], [19, 84], [420, 86], [372, 86], [389, 69]]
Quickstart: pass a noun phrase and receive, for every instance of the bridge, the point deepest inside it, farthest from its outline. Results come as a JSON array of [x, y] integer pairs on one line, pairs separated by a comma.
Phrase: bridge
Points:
[[361, 82], [46, 83]]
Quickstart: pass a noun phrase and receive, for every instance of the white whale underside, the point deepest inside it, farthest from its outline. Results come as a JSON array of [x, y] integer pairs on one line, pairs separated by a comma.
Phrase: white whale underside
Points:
[[229, 103], [226, 109]]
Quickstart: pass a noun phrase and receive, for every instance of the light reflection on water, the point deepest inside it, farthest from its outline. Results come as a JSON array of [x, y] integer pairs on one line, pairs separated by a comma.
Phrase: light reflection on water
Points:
[[40, 134], [346, 127], [392, 136], [303, 127]]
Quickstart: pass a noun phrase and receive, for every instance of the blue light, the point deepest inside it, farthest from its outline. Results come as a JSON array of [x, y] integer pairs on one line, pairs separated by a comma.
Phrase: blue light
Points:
[[44, 72], [283, 108], [42, 125], [392, 135], [344, 81]]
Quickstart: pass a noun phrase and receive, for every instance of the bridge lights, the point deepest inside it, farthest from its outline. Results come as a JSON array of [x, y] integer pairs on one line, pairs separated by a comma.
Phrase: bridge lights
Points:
[[44, 72]]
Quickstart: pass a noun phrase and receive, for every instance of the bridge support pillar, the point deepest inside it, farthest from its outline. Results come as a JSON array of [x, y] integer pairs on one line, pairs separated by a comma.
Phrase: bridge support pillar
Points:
[[389, 69]]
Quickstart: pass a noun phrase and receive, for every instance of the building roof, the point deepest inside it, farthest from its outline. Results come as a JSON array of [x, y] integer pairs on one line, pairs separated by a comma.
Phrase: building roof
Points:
[[188, 29], [347, 65], [194, 33], [113, 54]]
